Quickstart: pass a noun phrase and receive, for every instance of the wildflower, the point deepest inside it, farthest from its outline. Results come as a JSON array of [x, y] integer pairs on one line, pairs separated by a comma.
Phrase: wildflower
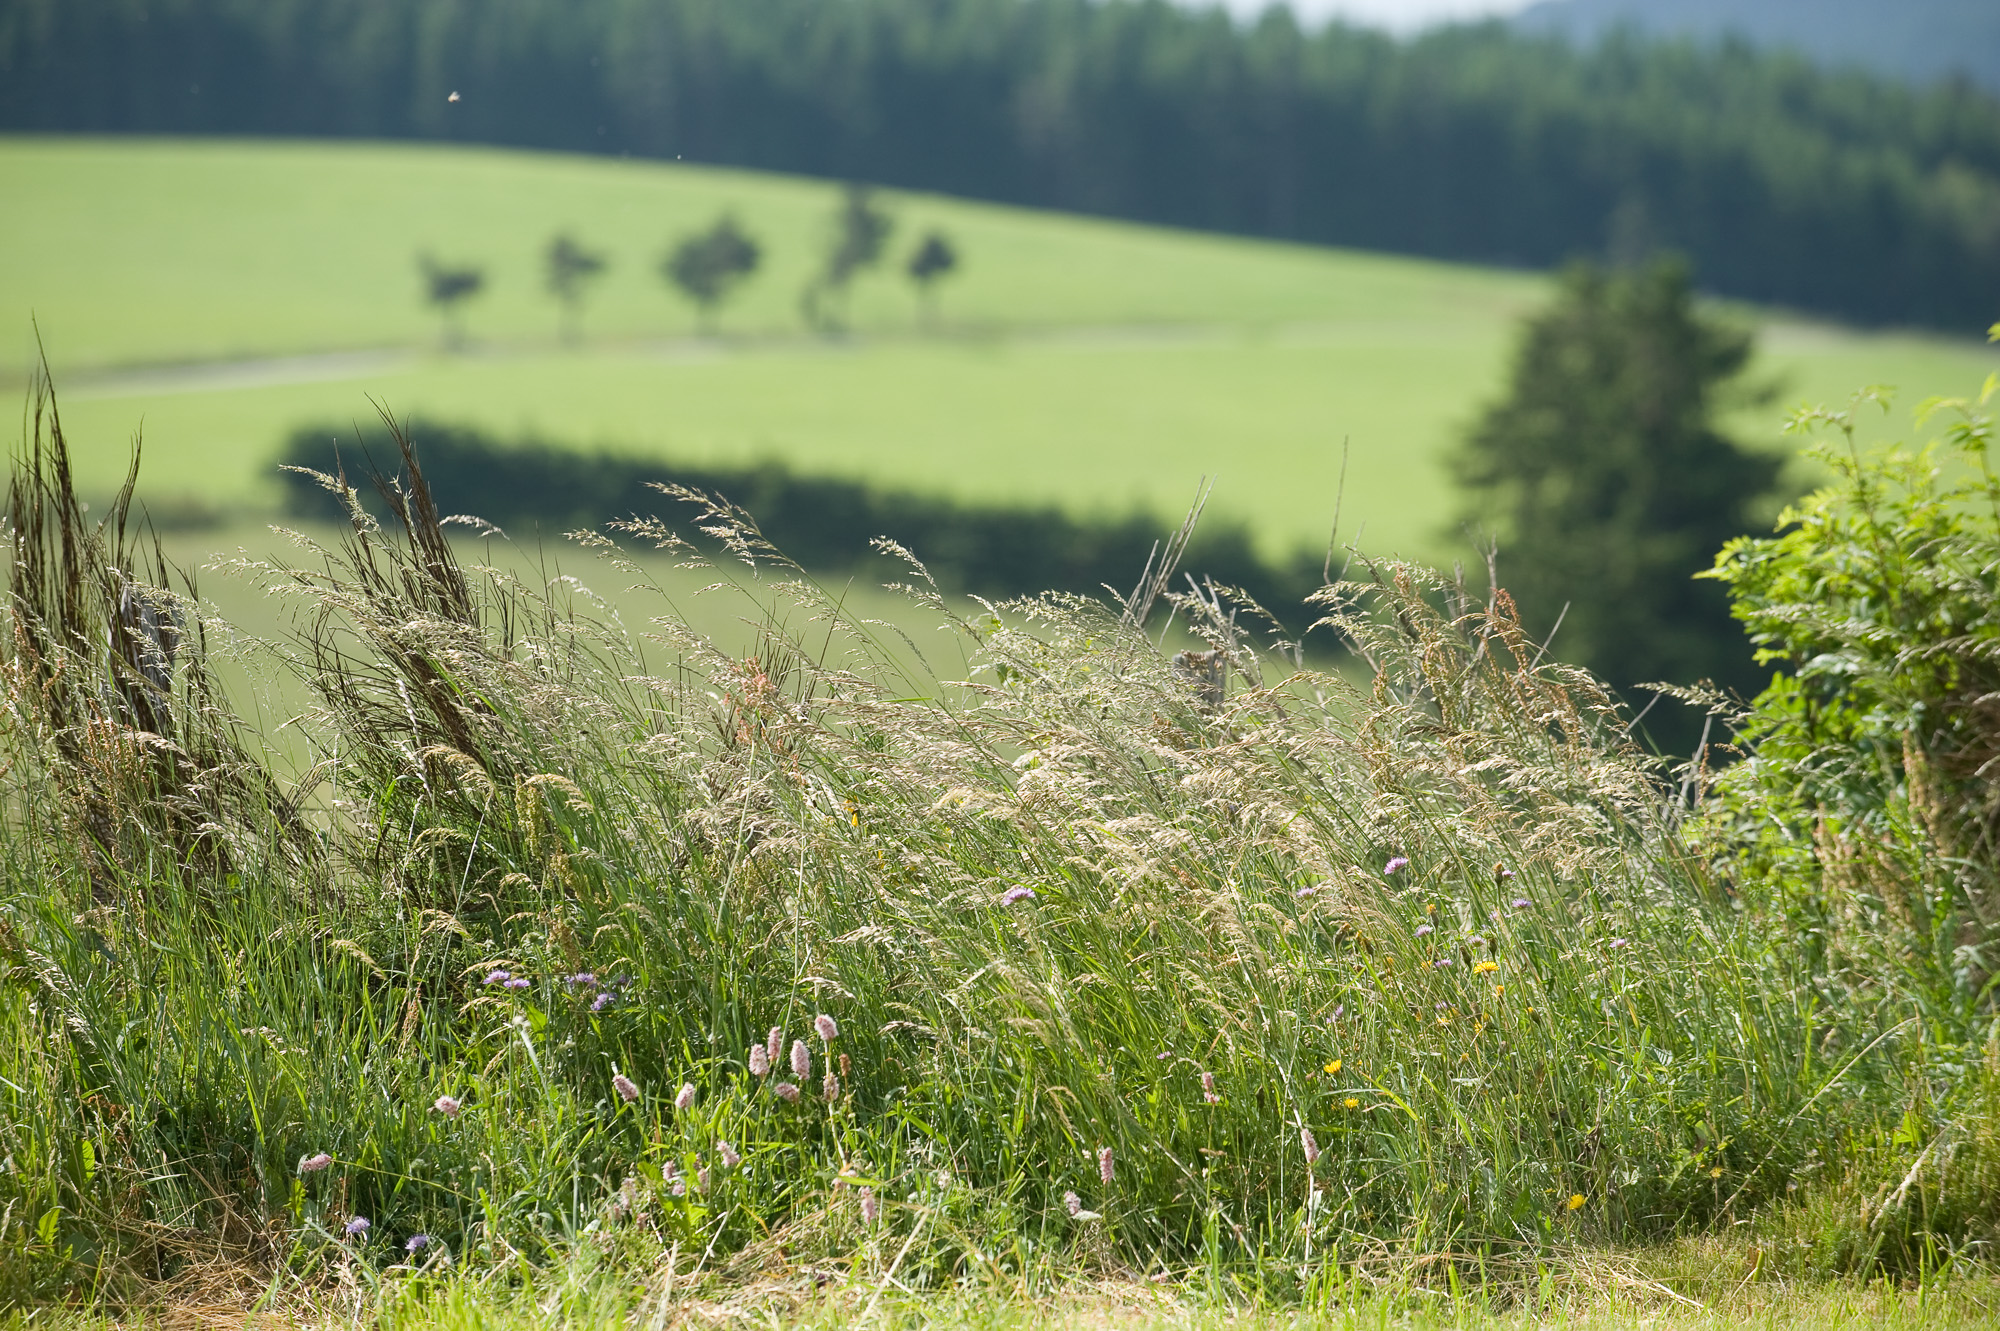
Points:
[[498, 977], [516, 983], [357, 1227], [1575, 1201], [1350, 1103], [1104, 1164], [774, 1043], [1311, 1146], [1441, 963], [1332, 1067], [829, 1087], [1017, 894], [447, 1105], [827, 1030], [417, 1243], [760, 1062], [1493, 915], [785, 1091], [871, 1210], [677, 1186], [312, 1164], [1395, 864], [701, 1180], [1208, 1087], [686, 1096], [802, 1060], [1073, 1204], [1423, 929], [1339, 1011], [730, 1159], [1500, 989], [1617, 942], [1715, 1172], [1520, 903], [580, 980], [1303, 893], [628, 1090], [1486, 967], [603, 1000]]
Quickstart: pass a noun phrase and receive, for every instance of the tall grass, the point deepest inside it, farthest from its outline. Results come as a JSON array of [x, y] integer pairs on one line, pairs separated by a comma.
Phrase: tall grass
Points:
[[1259, 986]]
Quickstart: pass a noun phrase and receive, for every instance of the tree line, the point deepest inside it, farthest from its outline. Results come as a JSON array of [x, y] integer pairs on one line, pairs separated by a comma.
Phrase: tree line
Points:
[[707, 267], [1829, 191]]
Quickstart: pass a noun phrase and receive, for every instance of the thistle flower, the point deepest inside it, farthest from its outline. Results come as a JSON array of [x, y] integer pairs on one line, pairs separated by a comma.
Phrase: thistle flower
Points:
[[871, 1210], [829, 1087], [357, 1227], [516, 983], [628, 1090], [785, 1091], [826, 1028], [312, 1164], [774, 1044], [1520, 903], [1311, 1146], [1441, 962], [730, 1159], [1396, 864], [1423, 929], [1104, 1164], [1013, 895], [802, 1060], [447, 1105], [686, 1096], [1073, 1204], [498, 977], [760, 1062], [417, 1243], [603, 1000]]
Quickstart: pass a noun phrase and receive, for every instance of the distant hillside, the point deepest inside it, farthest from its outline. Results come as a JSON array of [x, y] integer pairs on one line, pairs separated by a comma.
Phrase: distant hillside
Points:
[[1918, 40], [1839, 193]]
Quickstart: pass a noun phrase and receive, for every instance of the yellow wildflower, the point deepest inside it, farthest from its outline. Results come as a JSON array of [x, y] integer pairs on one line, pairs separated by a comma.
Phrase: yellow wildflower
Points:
[[1333, 1067], [1716, 1172], [1575, 1200], [1485, 967], [1350, 1103]]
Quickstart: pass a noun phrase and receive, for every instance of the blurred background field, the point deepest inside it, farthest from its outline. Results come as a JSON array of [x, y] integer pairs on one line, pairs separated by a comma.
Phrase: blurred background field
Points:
[[218, 294]]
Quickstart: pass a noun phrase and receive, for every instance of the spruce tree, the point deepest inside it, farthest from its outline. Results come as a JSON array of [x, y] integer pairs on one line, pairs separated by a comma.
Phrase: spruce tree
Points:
[[1608, 486]]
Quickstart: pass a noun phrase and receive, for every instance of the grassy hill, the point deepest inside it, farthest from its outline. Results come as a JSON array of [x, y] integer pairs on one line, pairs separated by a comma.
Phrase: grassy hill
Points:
[[1084, 362]]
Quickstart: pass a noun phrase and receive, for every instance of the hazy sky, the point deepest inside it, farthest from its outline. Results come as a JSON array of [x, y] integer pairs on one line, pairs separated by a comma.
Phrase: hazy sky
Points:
[[1399, 14]]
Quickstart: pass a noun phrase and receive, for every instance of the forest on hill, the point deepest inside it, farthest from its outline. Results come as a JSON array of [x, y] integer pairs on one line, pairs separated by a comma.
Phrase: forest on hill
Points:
[[1783, 183]]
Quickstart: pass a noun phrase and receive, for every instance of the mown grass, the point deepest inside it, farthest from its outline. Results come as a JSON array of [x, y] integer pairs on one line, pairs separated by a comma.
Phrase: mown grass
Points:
[[1184, 355]]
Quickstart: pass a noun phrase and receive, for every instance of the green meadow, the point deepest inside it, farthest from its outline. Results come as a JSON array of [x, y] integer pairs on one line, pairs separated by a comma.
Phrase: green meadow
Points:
[[217, 294]]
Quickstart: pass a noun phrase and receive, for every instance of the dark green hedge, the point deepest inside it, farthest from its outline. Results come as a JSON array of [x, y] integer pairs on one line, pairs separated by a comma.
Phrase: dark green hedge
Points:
[[822, 522]]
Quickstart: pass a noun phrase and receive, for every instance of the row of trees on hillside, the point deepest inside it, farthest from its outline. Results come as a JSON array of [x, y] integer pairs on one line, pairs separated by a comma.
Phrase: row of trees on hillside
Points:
[[707, 266], [1829, 191]]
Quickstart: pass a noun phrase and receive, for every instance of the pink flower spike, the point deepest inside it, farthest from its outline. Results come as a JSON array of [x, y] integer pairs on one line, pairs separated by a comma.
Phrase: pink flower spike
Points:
[[802, 1060], [829, 1089], [1311, 1146], [1104, 1164], [628, 1090], [871, 1210], [447, 1106], [1073, 1204], [760, 1062], [686, 1096], [785, 1091], [312, 1164], [701, 1180], [826, 1028], [730, 1159], [774, 1044]]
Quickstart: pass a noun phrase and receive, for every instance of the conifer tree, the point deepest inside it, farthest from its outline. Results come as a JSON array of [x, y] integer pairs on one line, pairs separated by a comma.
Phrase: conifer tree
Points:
[[1608, 486]]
